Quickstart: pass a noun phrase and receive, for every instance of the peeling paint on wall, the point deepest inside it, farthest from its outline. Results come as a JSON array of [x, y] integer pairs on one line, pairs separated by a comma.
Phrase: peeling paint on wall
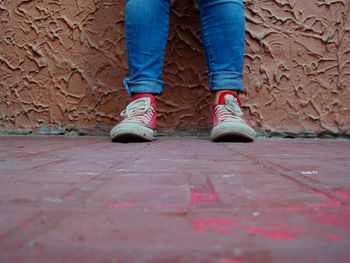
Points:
[[62, 64]]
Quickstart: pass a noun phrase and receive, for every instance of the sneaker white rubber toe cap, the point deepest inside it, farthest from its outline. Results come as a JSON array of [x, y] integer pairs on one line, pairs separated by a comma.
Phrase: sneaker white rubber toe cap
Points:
[[233, 131], [128, 131]]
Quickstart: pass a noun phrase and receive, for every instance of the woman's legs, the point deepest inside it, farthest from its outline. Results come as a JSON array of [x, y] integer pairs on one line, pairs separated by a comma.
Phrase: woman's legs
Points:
[[146, 27], [223, 33]]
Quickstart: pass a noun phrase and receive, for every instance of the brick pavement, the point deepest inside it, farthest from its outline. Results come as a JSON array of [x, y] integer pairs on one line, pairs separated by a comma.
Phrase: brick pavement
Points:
[[85, 199]]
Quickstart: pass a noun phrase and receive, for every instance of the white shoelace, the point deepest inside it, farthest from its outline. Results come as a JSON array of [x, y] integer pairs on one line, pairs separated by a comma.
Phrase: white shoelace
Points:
[[230, 110], [139, 111]]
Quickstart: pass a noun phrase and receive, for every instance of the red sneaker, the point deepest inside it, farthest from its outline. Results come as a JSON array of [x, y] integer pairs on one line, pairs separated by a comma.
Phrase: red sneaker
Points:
[[228, 124], [140, 120]]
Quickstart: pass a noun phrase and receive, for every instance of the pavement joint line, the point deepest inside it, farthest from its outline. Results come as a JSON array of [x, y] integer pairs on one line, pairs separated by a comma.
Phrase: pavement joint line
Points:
[[289, 174], [99, 180], [40, 166], [65, 147], [24, 181], [202, 192], [165, 253], [78, 194], [20, 237], [48, 153], [22, 224], [74, 208]]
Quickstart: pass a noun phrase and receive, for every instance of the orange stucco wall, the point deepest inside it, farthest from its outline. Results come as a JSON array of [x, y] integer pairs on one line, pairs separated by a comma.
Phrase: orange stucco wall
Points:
[[62, 65]]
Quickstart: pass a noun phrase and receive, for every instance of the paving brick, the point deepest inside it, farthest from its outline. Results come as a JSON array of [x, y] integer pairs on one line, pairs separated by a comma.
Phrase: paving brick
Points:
[[259, 189], [22, 193], [161, 191], [322, 171], [44, 176], [13, 217]]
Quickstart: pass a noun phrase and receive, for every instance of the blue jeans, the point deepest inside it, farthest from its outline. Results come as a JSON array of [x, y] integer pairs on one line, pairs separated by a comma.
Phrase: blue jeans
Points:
[[223, 36]]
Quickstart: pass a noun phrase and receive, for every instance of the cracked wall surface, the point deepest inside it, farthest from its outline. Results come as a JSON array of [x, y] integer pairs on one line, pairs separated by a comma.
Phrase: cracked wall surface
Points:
[[62, 64]]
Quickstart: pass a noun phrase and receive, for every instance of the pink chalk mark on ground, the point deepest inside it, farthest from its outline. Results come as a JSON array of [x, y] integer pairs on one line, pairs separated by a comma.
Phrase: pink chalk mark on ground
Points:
[[343, 195], [166, 206], [329, 203], [334, 238], [232, 261], [200, 197], [122, 205], [320, 195], [224, 226], [338, 219], [219, 224], [172, 207], [274, 234]]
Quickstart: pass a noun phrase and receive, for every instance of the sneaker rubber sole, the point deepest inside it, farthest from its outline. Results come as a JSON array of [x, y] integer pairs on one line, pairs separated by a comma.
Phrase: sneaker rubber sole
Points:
[[131, 132], [232, 132]]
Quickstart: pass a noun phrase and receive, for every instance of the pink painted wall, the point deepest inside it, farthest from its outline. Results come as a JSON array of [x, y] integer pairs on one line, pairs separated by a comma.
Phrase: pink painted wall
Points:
[[62, 65]]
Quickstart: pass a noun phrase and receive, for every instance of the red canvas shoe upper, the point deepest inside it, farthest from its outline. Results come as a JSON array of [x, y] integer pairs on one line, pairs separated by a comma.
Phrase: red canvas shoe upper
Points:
[[228, 108], [141, 110]]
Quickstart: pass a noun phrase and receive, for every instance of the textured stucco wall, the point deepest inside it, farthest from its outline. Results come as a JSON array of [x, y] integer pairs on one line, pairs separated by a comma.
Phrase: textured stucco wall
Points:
[[62, 65]]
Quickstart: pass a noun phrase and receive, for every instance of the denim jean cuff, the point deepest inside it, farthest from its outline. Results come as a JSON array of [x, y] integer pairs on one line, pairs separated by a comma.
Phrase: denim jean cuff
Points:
[[226, 80], [153, 86]]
